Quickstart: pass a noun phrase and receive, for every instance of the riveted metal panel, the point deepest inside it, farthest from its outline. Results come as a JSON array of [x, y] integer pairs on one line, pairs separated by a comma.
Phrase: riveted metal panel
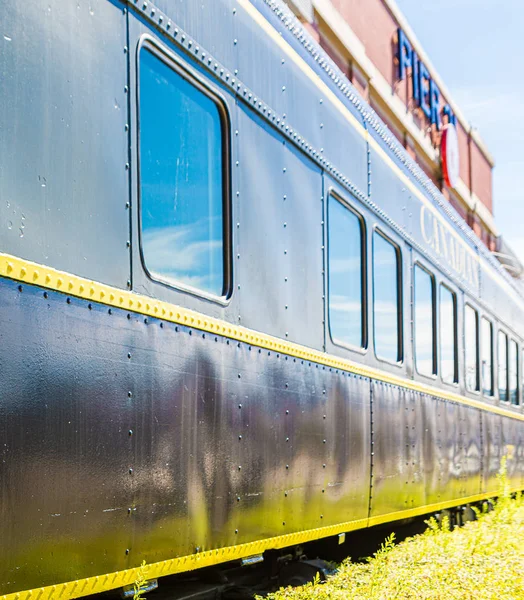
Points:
[[278, 259], [298, 92], [263, 67], [502, 437], [398, 465], [512, 450], [170, 440], [390, 194], [65, 414], [471, 442], [64, 148], [194, 18], [492, 443]]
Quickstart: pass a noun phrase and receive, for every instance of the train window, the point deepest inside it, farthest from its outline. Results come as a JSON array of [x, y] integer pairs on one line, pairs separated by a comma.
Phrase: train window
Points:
[[487, 357], [448, 335], [346, 274], [471, 341], [183, 180], [387, 309], [513, 372], [503, 366], [424, 321]]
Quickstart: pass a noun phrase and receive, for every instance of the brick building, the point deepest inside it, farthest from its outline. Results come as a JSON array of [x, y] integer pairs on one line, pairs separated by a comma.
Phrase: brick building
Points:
[[373, 44]]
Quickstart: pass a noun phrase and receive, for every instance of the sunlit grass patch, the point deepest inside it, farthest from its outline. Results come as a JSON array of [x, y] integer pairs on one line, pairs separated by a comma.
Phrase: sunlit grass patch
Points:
[[483, 560]]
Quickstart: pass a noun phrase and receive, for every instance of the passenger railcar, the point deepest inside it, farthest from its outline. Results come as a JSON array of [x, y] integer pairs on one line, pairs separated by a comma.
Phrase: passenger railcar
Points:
[[234, 315]]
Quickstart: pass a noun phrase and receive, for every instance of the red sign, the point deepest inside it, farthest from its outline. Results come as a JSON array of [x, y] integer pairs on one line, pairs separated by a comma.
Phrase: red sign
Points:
[[449, 150]]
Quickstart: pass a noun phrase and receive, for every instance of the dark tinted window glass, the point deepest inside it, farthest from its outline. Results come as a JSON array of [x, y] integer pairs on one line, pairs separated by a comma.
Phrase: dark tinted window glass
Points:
[[345, 274], [386, 304], [448, 335], [181, 172], [471, 341], [424, 322], [503, 366], [513, 372], [487, 357]]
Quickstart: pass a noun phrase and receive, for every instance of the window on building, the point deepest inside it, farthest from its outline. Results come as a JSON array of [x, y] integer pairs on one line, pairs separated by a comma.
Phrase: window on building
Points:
[[503, 366], [513, 372], [471, 341], [345, 274], [448, 335], [424, 321], [386, 299], [487, 357], [183, 199]]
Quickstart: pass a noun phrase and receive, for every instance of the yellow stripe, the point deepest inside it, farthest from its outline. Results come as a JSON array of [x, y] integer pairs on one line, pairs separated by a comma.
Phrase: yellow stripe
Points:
[[429, 508], [60, 281], [111, 581]]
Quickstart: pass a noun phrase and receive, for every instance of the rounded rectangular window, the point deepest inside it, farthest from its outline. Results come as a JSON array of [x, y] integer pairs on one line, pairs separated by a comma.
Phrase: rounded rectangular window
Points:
[[345, 274], [183, 200], [513, 372], [424, 321], [471, 341], [487, 357], [386, 299], [448, 335], [503, 366]]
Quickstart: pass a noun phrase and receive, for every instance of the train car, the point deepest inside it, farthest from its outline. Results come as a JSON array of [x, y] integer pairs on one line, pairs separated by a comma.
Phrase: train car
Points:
[[235, 316]]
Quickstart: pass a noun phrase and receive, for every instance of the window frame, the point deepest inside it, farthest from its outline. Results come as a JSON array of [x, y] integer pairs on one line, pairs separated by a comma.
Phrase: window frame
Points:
[[182, 69], [492, 328], [434, 375], [400, 297], [513, 340], [332, 193], [456, 370], [476, 391], [503, 332]]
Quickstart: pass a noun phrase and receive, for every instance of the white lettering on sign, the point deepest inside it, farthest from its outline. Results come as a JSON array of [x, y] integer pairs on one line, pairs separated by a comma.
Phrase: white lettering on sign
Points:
[[449, 247]]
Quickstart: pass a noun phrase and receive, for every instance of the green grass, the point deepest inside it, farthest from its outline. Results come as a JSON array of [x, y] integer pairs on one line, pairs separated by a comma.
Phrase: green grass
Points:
[[140, 582], [483, 560]]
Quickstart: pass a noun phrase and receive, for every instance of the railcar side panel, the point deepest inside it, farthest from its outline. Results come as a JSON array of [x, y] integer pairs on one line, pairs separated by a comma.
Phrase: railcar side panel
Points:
[[493, 451], [286, 79], [195, 19], [64, 148], [397, 452], [278, 260], [167, 441]]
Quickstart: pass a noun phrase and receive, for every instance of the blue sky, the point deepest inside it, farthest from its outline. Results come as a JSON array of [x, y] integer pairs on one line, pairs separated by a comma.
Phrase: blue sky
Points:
[[477, 47]]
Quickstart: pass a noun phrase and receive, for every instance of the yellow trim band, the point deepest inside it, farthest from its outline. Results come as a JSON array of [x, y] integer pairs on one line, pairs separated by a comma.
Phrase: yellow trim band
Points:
[[25, 271], [111, 581]]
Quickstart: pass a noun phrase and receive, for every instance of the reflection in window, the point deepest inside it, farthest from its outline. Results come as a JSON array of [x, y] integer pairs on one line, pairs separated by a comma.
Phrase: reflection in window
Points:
[[181, 180], [487, 357], [345, 274], [424, 322], [513, 372], [503, 366], [448, 335], [386, 305], [471, 339]]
